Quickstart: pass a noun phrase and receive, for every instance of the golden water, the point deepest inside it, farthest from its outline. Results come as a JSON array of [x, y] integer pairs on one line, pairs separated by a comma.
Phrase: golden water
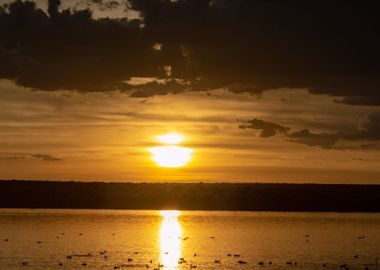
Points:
[[44, 238]]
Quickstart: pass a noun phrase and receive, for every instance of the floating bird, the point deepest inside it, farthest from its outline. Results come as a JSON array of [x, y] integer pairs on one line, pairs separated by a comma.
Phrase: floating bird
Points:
[[69, 257], [84, 264], [60, 264], [236, 255], [39, 242], [130, 260], [24, 263], [217, 261], [6, 240], [242, 262], [261, 263]]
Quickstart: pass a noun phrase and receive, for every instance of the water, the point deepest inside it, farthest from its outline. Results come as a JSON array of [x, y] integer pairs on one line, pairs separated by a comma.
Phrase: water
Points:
[[43, 239]]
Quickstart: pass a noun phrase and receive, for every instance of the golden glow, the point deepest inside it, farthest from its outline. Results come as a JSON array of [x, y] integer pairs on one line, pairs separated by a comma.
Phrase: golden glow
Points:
[[171, 156], [170, 239], [171, 138]]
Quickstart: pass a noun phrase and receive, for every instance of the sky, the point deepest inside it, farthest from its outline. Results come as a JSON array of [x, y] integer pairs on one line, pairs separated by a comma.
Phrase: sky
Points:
[[261, 91]]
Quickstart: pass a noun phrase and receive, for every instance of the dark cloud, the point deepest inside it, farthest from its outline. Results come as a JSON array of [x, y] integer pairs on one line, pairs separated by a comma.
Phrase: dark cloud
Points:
[[370, 100], [12, 157], [46, 157], [70, 50], [15, 157], [329, 47], [157, 88], [267, 129], [369, 131], [323, 140], [53, 6]]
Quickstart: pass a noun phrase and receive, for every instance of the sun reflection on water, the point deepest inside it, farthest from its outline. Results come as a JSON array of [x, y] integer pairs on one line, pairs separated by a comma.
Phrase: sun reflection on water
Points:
[[170, 239]]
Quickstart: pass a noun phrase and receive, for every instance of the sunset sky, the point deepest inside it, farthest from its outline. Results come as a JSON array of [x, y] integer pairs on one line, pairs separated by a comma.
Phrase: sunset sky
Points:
[[261, 91]]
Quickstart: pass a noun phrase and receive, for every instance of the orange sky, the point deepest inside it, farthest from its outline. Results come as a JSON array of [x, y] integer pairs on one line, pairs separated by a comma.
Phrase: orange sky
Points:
[[107, 137]]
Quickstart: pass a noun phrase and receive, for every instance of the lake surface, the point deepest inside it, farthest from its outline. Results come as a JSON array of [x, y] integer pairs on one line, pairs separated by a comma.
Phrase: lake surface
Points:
[[105, 239]]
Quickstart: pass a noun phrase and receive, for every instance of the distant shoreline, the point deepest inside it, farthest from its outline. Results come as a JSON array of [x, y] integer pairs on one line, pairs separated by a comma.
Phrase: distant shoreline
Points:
[[190, 196]]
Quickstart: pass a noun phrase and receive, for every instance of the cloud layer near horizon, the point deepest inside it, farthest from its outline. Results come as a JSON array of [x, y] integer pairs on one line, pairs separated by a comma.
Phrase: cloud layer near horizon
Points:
[[244, 45], [105, 136], [368, 131]]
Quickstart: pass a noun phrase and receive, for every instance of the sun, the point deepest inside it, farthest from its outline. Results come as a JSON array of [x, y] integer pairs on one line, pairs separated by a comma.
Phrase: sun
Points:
[[171, 155]]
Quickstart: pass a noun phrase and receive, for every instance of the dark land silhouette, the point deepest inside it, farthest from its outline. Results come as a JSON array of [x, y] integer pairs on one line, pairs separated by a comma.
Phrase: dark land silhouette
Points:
[[190, 196]]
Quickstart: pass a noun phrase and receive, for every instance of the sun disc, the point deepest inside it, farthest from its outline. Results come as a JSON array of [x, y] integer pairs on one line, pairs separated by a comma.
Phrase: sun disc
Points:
[[171, 156]]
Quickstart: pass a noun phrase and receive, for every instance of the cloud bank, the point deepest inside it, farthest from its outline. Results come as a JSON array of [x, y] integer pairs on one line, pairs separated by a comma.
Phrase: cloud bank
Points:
[[245, 45]]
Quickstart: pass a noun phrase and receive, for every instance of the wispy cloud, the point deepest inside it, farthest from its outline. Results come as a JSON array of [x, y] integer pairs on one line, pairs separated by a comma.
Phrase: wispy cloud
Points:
[[46, 157]]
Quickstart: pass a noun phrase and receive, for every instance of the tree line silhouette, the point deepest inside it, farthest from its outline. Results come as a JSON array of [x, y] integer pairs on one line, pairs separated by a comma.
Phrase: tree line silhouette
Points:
[[190, 196]]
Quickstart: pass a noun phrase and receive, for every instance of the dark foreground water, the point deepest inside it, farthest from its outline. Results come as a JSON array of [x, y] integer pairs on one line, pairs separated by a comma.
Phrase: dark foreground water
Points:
[[111, 239]]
